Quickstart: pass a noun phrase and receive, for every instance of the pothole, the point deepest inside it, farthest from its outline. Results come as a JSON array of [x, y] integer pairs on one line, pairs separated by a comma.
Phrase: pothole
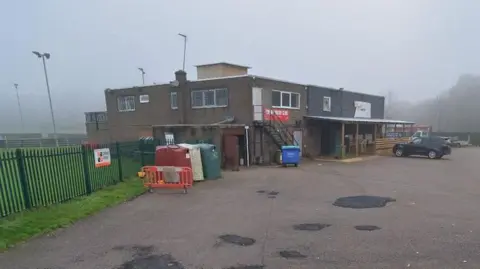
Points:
[[237, 240], [367, 227], [246, 267], [261, 191], [363, 201], [310, 226], [273, 193], [165, 261], [272, 196], [291, 254]]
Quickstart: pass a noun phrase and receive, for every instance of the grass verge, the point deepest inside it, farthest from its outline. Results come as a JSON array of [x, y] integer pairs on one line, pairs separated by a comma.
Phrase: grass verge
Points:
[[22, 226]]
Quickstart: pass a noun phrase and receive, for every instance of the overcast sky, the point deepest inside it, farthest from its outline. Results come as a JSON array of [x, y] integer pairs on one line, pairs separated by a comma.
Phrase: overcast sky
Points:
[[413, 48]]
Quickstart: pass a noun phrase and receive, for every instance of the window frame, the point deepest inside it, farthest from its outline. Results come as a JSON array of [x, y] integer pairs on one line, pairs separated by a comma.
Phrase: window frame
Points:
[[289, 101], [329, 104], [124, 98], [215, 100], [176, 100]]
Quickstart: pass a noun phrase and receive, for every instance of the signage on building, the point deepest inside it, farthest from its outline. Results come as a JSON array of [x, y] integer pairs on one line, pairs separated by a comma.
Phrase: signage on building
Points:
[[362, 109], [102, 157], [276, 114]]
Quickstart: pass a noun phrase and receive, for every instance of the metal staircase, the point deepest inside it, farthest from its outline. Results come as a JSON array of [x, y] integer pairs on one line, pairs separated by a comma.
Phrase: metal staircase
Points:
[[277, 131]]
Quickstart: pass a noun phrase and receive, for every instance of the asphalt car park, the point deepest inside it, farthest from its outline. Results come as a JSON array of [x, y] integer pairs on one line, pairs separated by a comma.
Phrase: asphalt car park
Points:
[[286, 218]]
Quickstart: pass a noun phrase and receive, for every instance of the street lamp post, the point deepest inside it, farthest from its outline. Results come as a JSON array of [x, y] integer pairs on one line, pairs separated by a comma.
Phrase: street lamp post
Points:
[[44, 56], [19, 108], [184, 49], [143, 75]]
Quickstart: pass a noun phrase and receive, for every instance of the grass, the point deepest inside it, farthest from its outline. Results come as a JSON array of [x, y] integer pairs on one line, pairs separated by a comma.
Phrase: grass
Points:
[[27, 224]]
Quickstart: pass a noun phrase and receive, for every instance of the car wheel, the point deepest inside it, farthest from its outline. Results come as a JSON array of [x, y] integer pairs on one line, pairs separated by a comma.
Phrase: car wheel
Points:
[[399, 152], [432, 154]]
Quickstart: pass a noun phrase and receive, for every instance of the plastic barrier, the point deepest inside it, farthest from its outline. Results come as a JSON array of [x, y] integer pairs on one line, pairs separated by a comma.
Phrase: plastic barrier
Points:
[[167, 177]]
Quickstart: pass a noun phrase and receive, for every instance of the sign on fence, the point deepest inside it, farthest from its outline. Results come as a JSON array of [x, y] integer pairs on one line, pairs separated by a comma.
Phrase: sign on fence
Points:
[[102, 157]]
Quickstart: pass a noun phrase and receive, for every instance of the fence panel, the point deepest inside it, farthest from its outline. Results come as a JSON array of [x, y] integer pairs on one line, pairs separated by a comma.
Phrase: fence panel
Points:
[[130, 155], [11, 196], [53, 175], [101, 177]]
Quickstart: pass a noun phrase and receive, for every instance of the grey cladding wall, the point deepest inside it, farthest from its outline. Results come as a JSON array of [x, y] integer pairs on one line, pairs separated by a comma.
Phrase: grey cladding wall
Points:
[[342, 102]]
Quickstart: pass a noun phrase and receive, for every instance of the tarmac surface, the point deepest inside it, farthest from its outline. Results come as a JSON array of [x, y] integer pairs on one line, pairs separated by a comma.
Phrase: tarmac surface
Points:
[[272, 217]]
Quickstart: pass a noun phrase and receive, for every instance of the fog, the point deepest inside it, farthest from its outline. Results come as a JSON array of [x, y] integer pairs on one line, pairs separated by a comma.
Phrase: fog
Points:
[[416, 50]]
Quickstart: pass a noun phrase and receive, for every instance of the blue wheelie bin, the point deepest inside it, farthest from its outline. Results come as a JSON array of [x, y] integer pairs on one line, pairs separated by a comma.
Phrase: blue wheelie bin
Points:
[[290, 155]]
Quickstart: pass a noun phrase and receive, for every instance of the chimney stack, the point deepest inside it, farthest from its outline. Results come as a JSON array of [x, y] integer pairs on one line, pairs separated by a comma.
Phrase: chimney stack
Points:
[[181, 77]]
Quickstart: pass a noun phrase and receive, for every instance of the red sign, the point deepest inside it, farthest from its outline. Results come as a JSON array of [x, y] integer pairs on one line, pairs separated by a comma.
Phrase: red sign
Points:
[[275, 114]]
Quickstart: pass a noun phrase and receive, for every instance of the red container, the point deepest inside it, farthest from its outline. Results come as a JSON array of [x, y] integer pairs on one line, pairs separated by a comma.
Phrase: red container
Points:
[[172, 155]]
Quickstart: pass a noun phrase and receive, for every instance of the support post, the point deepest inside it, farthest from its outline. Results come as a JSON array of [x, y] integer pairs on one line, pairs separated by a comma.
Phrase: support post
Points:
[[356, 140], [374, 137], [342, 142]]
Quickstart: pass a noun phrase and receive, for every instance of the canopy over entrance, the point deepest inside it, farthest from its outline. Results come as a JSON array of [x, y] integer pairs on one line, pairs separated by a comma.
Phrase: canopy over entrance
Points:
[[342, 136], [360, 120]]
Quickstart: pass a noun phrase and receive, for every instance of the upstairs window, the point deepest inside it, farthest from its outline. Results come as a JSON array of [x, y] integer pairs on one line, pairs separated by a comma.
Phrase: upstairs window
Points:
[[173, 100], [144, 99], [126, 103], [282, 99], [327, 103], [210, 98]]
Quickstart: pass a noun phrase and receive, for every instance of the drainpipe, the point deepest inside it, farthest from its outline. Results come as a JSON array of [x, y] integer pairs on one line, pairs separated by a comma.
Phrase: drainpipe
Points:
[[247, 145]]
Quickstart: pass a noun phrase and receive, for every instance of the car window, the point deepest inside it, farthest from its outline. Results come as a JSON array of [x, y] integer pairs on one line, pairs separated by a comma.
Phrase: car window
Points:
[[417, 141]]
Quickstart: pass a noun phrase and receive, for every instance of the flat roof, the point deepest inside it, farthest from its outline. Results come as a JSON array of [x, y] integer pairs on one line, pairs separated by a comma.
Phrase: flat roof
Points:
[[223, 63], [222, 125], [361, 120]]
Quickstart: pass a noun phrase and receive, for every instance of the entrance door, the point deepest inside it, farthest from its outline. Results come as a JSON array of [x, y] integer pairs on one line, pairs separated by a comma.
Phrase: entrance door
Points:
[[297, 135], [257, 103]]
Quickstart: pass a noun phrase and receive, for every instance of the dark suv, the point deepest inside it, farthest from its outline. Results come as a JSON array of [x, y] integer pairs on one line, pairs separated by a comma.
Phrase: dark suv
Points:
[[434, 147]]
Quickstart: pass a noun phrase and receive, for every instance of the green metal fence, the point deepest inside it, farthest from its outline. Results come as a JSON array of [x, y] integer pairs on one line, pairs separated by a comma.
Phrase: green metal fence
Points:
[[33, 177]]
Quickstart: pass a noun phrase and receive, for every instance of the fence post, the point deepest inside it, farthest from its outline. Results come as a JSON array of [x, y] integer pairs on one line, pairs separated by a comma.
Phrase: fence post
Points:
[[141, 146], [23, 178], [119, 156], [86, 172]]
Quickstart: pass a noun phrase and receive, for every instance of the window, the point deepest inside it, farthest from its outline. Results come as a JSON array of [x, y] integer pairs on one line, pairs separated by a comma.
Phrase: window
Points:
[[126, 103], [144, 98], [209, 98], [327, 103], [101, 116], [417, 141], [173, 100], [285, 99], [276, 98]]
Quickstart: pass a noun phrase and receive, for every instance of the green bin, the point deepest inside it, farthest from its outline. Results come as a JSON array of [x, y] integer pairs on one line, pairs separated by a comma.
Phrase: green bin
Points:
[[210, 161]]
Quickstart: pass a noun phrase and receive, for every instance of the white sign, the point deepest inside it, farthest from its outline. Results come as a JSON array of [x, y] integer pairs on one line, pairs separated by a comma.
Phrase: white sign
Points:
[[362, 109], [102, 157]]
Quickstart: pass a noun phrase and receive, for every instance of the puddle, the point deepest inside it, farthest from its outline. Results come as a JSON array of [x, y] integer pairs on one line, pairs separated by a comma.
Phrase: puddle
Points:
[[363, 201], [261, 191], [272, 196], [291, 254], [273, 193], [246, 267], [237, 240], [367, 227], [310, 226], [165, 261]]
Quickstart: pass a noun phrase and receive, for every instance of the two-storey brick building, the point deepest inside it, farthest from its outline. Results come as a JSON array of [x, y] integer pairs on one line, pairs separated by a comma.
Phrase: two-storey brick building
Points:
[[229, 105]]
